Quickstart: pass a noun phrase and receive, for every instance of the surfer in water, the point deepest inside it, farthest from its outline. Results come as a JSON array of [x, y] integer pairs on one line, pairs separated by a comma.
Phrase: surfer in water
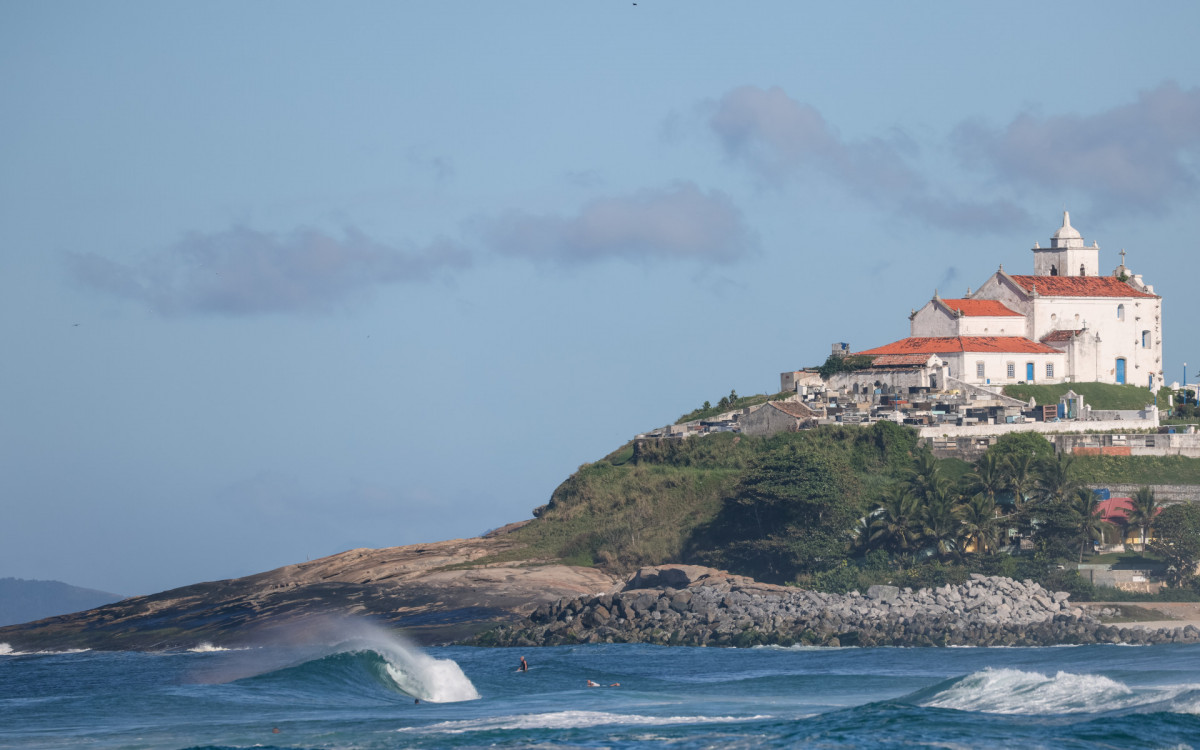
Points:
[[593, 684], [524, 665]]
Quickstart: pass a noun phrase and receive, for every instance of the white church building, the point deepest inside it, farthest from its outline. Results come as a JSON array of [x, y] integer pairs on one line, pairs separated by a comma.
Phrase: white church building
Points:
[[1065, 322]]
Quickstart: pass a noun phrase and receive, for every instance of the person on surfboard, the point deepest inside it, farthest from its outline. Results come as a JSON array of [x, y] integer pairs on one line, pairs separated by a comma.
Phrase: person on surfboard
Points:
[[524, 665]]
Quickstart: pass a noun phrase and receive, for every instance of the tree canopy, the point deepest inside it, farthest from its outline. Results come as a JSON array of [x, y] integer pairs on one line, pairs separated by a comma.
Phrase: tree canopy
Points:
[[790, 513], [1177, 540]]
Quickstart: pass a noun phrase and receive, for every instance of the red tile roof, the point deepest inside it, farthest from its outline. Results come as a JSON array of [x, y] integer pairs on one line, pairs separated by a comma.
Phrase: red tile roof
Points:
[[1079, 286], [1064, 335], [951, 344], [794, 409], [979, 307], [1116, 509], [899, 360]]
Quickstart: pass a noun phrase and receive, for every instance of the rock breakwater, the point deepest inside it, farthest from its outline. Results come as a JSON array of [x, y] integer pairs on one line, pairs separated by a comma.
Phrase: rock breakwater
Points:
[[694, 606]]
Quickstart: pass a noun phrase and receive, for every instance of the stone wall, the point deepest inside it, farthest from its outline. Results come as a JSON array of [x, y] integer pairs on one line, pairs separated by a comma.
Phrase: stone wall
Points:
[[1045, 428]]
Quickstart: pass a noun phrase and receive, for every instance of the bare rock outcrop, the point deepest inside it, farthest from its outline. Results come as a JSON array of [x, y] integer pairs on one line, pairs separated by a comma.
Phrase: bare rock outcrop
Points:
[[435, 593]]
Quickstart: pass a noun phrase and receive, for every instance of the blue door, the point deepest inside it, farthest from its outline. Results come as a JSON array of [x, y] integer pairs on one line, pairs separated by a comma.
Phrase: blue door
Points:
[[1028, 372], [1121, 371]]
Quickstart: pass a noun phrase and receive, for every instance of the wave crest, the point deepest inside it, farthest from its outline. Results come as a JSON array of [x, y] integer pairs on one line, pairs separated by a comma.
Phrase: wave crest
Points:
[[1014, 691], [567, 720]]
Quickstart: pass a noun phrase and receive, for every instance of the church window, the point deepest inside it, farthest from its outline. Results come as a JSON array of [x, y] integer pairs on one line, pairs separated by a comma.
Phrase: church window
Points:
[[1053, 270], [1120, 312], [1049, 369], [1145, 339], [1082, 270], [1011, 370], [979, 370]]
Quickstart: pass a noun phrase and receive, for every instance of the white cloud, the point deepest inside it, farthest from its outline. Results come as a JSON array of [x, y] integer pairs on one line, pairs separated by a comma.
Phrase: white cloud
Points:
[[243, 271], [1140, 156], [678, 223], [780, 139]]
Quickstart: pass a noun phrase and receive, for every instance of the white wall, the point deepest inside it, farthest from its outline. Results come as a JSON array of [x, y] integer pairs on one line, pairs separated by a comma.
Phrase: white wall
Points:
[[995, 367]]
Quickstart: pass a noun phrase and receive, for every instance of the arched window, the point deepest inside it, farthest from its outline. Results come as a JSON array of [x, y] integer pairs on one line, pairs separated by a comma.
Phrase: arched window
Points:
[[1082, 270], [1120, 312], [1053, 270]]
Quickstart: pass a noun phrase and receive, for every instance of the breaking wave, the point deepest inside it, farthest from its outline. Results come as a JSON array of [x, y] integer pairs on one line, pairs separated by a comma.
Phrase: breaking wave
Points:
[[7, 650], [360, 662], [207, 648], [568, 720], [1014, 691]]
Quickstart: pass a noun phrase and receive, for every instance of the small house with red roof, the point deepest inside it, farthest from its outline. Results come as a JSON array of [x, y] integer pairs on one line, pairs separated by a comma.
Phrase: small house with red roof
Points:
[[1116, 511]]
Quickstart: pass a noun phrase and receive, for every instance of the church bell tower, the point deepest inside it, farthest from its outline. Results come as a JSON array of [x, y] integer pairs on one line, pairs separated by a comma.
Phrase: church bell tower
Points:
[[1067, 255]]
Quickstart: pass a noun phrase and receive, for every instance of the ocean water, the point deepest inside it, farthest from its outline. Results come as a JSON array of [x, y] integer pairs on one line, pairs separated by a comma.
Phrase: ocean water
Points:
[[361, 692]]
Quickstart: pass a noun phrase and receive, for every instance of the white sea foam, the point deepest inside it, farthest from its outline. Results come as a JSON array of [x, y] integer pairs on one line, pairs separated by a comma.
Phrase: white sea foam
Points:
[[409, 669], [7, 650], [422, 676], [206, 648], [568, 720], [1013, 691]]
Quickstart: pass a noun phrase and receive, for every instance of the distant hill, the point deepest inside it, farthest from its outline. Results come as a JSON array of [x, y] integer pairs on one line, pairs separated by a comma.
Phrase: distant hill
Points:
[[26, 601]]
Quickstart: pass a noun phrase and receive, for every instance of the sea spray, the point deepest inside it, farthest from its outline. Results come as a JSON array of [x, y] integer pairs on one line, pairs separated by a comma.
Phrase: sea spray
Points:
[[1015, 691], [406, 668]]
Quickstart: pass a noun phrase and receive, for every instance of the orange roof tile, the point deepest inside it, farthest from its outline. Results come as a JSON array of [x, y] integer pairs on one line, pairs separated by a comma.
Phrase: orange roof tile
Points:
[[952, 344], [979, 307], [1064, 335], [1116, 509], [1079, 286], [894, 360], [794, 409]]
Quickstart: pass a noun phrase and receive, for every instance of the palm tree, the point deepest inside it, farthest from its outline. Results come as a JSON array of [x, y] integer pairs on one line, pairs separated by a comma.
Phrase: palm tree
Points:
[[1091, 524], [940, 525], [1057, 482], [989, 477], [925, 478], [1145, 508], [1022, 477], [979, 522], [894, 524]]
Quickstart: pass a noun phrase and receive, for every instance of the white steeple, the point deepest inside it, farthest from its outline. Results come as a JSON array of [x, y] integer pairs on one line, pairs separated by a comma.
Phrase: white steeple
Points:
[[1067, 235], [1066, 255]]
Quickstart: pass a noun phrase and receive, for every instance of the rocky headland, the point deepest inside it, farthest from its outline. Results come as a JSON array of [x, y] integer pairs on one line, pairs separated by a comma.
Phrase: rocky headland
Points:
[[696, 606], [435, 593], [458, 592]]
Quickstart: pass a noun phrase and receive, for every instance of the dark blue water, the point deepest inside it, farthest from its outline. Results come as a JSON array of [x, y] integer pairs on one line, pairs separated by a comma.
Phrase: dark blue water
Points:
[[360, 694]]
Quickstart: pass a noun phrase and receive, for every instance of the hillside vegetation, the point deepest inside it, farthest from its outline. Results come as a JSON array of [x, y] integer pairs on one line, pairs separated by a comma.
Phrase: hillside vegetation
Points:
[[1138, 469], [836, 508], [645, 503]]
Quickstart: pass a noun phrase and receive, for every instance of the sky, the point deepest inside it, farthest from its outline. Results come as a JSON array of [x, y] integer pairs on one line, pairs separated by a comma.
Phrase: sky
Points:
[[282, 279]]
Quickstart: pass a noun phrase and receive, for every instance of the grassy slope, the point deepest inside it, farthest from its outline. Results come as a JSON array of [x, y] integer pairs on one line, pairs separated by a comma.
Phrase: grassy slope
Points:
[[1138, 469], [626, 510], [1096, 395]]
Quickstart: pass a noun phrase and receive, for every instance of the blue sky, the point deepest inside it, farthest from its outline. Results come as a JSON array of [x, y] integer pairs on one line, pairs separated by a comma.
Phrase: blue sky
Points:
[[281, 279]]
